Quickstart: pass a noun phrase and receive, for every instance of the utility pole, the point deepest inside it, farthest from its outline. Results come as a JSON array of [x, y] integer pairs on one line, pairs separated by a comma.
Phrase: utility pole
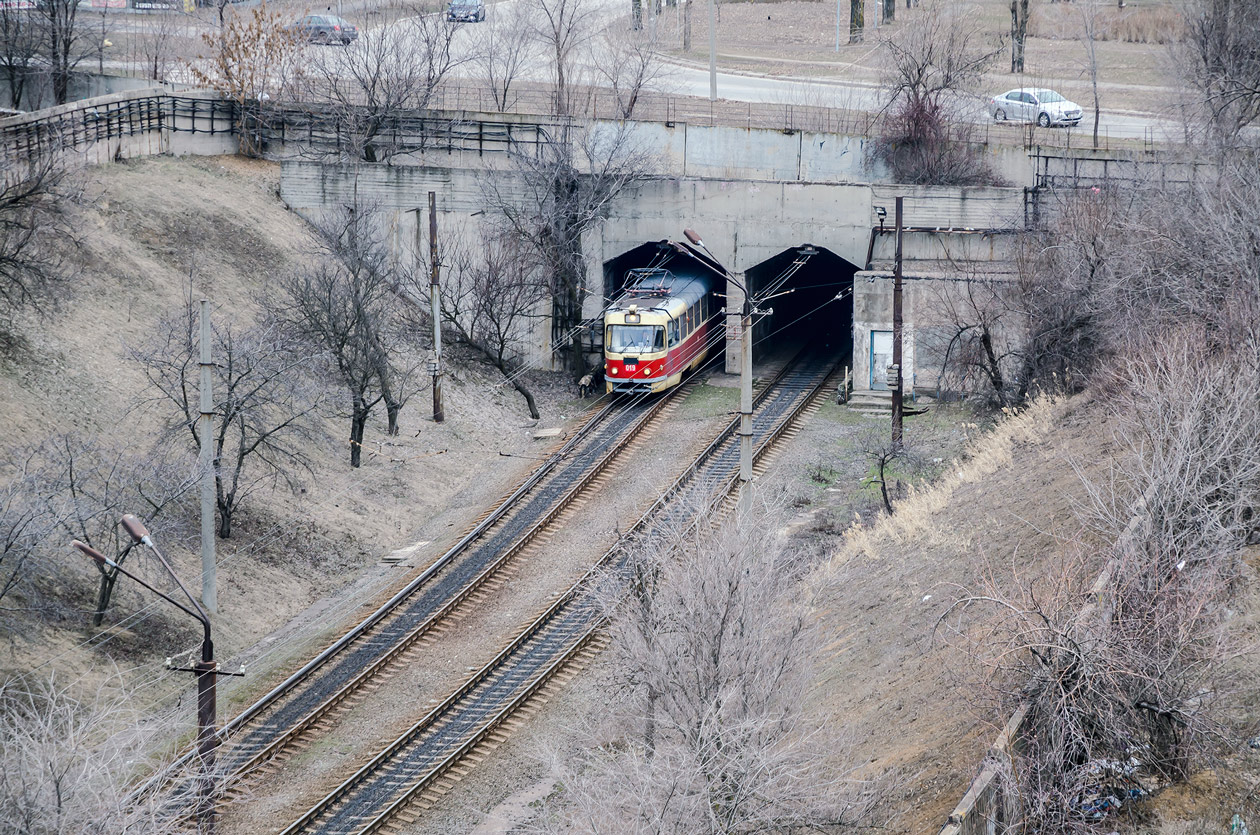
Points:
[[205, 427], [434, 300], [896, 339], [712, 50]]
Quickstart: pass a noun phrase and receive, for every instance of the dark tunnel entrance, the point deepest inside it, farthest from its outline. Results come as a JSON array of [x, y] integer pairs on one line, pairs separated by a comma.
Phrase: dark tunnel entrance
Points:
[[810, 291]]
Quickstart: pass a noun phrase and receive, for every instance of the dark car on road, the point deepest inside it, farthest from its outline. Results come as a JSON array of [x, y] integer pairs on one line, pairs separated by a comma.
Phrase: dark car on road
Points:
[[324, 28], [466, 11]]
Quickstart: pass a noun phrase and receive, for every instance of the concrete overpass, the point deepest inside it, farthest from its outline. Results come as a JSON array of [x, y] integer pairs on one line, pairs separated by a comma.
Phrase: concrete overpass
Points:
[[755, 226]]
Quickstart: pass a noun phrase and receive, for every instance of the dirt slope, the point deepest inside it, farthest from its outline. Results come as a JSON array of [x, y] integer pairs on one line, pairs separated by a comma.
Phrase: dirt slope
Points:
[[298, 565]]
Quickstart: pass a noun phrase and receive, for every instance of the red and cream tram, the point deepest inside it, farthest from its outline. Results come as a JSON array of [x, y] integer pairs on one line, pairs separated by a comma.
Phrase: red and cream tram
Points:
[[663, 325]]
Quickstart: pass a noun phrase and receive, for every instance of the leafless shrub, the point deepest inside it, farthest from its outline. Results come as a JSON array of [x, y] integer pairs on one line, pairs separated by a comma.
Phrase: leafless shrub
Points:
[[347, 309], [1157, 24], [24, 522], [264, 401], [1124, 694], [252, 60], [66, 758], [930, 68], [709, 724]]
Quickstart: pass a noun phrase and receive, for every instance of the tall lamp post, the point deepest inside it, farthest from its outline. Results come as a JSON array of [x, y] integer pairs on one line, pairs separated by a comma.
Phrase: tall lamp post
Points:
[[745, 375], [206, 669]]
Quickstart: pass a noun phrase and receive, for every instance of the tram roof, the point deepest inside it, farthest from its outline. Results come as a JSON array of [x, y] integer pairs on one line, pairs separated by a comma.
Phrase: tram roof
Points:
[[661, 283]]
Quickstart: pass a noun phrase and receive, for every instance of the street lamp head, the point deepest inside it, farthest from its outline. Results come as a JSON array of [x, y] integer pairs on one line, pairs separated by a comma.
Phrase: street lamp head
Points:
[[693, 236], [135, 528], [89, 551]]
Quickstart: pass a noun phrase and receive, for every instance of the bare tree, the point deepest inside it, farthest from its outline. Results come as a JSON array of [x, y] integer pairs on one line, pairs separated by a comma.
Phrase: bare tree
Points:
[[66, 756], [1019, 33], [884, 458], [552, 196], [630, 65], [389, 74], [35, 194], [502, 51], [984, 335], [1222, 63], [346, 308], [20, 42], [64, 43], [857, 20], [686, 28], [264, 402], [1089, 18], [709, 725], [930, 68], [253, 60], [563, 28], [87, 485], [490, 297], [157, 43]]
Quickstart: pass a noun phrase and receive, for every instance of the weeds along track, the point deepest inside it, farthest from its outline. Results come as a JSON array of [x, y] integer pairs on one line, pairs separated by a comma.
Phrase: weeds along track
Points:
[[351, 662], [422, 763]]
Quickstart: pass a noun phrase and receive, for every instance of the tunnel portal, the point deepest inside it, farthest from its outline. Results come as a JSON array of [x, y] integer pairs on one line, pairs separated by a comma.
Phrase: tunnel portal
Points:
[[810, 291], [804, 294]]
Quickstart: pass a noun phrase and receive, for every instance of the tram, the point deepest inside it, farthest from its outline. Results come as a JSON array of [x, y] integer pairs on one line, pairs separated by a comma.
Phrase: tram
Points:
[[663, 325]]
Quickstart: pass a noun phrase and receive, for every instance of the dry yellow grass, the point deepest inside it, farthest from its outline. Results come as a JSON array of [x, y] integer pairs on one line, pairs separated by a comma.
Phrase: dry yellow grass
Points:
[[916, 518]]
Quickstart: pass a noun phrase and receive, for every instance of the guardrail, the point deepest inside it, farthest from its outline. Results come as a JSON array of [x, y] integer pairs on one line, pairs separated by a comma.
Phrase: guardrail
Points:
[[133, 123]]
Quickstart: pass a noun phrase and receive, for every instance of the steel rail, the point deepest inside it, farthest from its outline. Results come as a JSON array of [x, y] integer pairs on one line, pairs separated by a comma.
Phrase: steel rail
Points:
[[781, 421], [460, 596], [282, 689]]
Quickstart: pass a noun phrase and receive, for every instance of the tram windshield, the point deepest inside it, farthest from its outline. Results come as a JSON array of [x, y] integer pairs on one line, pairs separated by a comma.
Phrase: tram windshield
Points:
[[634, 339]]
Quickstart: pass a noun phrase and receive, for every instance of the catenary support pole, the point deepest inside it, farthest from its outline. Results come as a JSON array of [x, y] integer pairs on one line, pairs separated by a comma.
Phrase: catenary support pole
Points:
[[435, 300], [205, 428], [745, 399], [896, 339]]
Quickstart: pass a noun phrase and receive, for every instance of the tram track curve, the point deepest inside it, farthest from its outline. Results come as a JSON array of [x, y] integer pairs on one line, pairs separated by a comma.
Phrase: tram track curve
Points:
[[415, 761], [334, 675]]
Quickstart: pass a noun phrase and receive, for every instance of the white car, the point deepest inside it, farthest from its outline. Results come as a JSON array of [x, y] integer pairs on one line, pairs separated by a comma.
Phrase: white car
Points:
[[1045, 107]]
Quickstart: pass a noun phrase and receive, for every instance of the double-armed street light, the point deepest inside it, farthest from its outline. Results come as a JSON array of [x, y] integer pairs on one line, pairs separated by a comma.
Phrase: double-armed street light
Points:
[[206, 669]]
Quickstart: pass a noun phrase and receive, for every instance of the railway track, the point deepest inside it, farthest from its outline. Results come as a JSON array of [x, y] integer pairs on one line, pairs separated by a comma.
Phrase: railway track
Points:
[[334, 677], [418, 766]]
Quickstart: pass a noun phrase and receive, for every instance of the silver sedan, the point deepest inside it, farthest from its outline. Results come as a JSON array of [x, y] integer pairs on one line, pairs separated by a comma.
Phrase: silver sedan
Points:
[[1045, 107]]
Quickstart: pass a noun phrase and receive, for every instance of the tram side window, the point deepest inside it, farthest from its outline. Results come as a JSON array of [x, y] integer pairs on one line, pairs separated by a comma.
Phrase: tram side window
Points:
[[674, 331]]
